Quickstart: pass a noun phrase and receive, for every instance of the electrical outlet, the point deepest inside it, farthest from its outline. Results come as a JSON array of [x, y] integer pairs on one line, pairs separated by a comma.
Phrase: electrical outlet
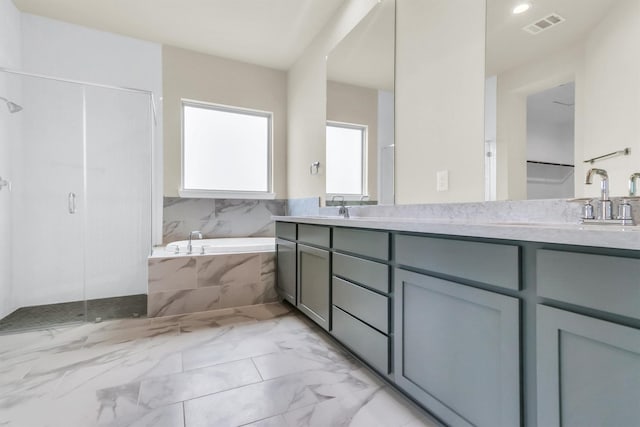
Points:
[[442, 180]]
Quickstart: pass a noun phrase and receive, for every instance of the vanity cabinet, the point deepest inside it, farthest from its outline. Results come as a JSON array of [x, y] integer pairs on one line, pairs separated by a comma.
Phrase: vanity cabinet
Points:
[[457, 350], [588, 368], [588, 371], [361, 307], [286, 270], [314, 273], [479, 331]]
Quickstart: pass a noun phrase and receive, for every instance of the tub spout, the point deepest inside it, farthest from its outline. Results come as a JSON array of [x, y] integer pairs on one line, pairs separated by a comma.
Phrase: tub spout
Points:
[[190, 246]]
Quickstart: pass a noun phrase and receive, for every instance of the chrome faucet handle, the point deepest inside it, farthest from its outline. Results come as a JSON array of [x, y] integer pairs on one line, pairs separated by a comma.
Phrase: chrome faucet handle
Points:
[[344, 211], [587, 210]]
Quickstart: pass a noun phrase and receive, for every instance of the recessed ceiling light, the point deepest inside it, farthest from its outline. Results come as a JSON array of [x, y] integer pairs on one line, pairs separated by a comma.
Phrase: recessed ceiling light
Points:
[[521, 7]]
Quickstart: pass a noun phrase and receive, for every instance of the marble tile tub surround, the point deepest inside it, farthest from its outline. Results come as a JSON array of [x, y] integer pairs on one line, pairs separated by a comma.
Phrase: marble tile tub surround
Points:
[[303, 206], [219, 217], [189, 284], [547, 211], [228, 217], [258, 366]]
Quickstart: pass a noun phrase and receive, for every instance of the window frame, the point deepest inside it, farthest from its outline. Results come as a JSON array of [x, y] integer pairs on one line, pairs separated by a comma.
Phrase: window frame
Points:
[[363, 160], [226, 194]]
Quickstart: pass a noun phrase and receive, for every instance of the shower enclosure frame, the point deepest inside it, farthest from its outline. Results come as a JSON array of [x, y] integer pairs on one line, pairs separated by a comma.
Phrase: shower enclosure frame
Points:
[[153, 121]]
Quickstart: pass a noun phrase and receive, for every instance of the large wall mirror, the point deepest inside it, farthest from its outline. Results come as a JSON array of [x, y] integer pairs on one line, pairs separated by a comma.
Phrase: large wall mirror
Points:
[[562, 88], [360, 111]]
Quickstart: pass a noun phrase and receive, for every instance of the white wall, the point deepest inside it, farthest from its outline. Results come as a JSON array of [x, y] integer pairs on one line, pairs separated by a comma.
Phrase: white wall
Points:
[[10, 124], [439, 100], [193, 75], [306, 102], [50, 249]]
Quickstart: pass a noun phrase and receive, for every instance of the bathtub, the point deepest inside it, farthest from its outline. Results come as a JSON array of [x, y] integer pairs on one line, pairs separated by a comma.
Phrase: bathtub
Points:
[[223, 245], [222, 273]]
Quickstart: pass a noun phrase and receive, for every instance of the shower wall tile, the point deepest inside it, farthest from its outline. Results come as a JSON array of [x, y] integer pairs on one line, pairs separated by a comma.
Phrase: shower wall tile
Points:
[[219, 217], [172, 273], [183, 301], [228, 270]]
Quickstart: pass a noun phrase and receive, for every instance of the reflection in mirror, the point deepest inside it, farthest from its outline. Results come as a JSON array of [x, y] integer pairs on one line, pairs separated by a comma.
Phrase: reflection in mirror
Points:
[[562, 85], [550, 143], [360, 74]]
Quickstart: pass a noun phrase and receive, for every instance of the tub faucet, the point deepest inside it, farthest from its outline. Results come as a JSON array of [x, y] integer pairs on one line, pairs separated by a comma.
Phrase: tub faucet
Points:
[[606, 212], [190, 246], [632, 183]]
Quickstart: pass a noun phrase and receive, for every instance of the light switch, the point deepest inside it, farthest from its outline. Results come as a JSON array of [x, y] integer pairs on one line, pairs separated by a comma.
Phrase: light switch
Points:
[[442, 180]]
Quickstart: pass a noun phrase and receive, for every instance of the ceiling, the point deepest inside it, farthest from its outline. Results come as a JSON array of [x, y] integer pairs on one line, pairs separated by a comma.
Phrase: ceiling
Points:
[[272, 33], [508, 45]]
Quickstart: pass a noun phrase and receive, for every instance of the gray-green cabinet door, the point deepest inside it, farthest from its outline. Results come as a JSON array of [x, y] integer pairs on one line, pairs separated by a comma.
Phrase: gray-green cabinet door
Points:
[[588, 371], [314, 278], [286, 271], [456, 350]]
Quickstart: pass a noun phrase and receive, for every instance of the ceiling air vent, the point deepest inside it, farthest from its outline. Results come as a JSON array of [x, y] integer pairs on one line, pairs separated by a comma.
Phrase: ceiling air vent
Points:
[[543, 24]]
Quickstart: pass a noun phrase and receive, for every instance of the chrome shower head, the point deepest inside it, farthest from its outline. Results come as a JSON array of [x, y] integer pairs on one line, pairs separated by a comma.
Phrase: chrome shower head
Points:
[[12, 106]]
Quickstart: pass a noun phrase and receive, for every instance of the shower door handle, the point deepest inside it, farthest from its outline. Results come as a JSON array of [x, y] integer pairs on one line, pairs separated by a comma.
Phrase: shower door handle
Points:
[[72, 203]]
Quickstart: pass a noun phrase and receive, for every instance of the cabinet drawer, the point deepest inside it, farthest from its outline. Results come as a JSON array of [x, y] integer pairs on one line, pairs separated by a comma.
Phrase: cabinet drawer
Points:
[[367, 273], [363, 340], [314, 235], [374, 244], [491, 263], [286, 230], [370, 307], [602, 282]]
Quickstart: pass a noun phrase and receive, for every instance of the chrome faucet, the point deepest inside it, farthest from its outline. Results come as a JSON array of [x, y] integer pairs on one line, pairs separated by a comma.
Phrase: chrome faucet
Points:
[[632, 183], [343, 210], [606, 211], [190, 246]]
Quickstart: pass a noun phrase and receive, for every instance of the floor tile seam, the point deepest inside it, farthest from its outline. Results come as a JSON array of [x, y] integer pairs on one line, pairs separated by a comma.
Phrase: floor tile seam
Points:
[[227, 361], [257, 369], [200, 396]]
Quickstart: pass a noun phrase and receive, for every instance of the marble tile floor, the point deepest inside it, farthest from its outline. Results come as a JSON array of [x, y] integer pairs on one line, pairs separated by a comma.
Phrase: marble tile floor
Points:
[[251, 366]]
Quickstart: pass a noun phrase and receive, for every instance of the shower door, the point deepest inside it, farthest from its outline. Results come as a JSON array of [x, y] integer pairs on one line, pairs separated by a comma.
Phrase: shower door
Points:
[[118, 227], [80, 229], [48, 203]]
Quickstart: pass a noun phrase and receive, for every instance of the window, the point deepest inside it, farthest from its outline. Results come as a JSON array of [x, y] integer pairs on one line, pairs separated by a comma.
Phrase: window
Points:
[[225, 150], [346, 165]]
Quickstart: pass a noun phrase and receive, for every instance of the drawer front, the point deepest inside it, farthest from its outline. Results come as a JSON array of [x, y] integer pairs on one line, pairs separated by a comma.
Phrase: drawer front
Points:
[[374, 244], [314, 235], [602, 282], [367, 273], [286, 230], [363, 340], [370, 307], [490, 263]]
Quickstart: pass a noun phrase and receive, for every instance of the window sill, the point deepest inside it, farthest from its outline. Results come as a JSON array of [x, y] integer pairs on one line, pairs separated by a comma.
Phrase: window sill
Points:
[[207, 194]]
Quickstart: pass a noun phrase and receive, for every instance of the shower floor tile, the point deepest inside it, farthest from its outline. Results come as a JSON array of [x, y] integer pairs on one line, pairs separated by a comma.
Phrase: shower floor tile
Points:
[[222, 368], [46, 316]]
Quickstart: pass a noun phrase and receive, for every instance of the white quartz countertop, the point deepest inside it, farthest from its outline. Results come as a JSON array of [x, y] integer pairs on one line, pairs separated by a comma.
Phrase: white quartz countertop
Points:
[[607, 236]]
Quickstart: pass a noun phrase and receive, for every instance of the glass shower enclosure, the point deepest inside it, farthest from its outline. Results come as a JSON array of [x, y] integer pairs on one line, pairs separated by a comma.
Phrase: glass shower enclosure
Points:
[[76, 208]]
